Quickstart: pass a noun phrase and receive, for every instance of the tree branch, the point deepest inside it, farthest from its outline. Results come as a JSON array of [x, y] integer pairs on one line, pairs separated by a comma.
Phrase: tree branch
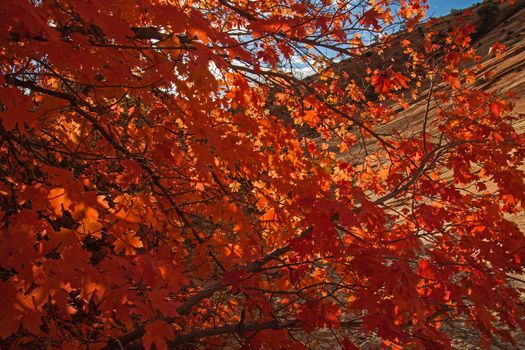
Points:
[[202, 333]]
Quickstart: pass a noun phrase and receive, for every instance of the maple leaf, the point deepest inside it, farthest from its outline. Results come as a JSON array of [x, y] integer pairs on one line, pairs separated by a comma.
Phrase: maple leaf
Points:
[[15, 113], [386, 81], [157, 332], [127, 243], [371, 18], [311, 117], [497, 49]]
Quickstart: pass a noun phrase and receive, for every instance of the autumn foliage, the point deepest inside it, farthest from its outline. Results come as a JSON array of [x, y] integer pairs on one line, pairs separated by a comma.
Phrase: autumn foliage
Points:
[[168, 179]]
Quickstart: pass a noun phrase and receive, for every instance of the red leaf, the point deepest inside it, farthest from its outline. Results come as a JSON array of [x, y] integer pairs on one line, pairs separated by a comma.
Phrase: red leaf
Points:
[[157, 332]]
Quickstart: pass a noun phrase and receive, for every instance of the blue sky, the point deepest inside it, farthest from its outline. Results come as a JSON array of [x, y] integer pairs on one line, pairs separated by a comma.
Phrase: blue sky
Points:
[[437, 8], [443, 7]]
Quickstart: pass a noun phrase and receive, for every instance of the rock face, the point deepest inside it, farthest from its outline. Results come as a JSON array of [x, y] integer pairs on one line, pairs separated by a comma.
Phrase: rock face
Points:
[[504, 74]]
